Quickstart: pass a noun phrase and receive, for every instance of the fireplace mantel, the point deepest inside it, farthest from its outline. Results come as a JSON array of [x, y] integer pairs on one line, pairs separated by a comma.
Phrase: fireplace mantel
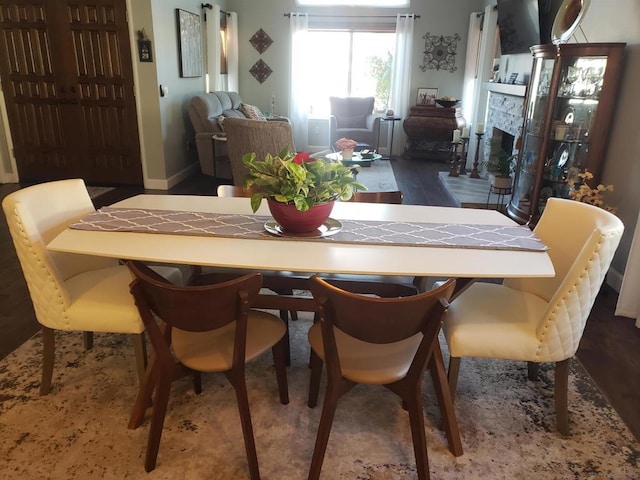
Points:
[[507, 89]]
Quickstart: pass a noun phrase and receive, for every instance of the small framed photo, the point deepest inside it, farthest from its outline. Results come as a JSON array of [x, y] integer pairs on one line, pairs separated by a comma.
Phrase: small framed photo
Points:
[[427, 96]]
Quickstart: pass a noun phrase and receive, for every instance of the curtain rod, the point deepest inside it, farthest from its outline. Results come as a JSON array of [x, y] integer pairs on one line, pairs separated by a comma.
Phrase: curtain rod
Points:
[[353, 16]]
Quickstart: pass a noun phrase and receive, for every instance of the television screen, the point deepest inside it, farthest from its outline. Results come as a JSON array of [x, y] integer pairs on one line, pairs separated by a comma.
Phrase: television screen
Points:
[[518, 23]]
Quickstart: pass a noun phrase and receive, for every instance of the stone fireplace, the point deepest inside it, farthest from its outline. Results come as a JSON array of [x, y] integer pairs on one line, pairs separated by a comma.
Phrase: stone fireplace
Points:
[[504, 119]]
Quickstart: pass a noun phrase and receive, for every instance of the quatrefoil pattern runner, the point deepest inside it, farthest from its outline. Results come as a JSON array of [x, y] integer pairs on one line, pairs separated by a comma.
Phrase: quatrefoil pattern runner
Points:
[[497, 237]]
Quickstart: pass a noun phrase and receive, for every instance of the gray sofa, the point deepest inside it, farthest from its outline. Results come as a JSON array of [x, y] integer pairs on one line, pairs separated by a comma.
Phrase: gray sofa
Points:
[[204, 111]]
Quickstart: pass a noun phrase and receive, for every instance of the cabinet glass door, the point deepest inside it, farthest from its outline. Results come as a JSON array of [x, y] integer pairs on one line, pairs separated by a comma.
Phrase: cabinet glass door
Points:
[[533, 133], [573, 114]]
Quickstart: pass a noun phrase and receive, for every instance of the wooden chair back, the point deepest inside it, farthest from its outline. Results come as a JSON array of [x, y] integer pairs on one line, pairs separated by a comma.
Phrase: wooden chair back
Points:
[[394, 197], [380, 320], [234, 191]]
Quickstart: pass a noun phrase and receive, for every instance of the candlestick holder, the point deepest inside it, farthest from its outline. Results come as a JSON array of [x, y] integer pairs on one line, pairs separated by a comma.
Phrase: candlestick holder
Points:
[[474, 170], [463, 155], [453, 171]]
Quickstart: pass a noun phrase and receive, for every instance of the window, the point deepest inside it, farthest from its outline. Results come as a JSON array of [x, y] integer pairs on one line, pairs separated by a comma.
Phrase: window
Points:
[[350, 64], [353, 3]]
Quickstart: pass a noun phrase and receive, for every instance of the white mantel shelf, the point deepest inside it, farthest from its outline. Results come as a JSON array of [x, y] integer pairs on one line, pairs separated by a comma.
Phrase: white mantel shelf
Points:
[[507, 88]]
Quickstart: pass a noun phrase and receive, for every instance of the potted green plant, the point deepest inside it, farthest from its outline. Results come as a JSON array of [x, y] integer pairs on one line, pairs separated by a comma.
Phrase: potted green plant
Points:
[[300, 190], [502, 169]]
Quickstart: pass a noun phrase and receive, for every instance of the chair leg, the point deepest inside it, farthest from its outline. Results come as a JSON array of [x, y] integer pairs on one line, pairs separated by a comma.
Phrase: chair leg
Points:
[[532, 370], [143, 399], [416, 420], [157, 422], [48, 358], [140, 348], [561, 394], [452, 375], [279, 355], [240, 388], [197, 382], [324, 429], [314, 379], [87, 338], [445, 401], [284, 316]]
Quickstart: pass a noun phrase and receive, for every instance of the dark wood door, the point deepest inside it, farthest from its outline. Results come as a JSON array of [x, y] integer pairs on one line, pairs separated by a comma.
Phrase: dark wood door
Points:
[[68, 83]]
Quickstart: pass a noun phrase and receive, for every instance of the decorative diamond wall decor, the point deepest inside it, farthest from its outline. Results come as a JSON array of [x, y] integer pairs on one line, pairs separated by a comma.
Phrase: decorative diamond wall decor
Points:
[[260, 71], [260, 41], [440, 52]]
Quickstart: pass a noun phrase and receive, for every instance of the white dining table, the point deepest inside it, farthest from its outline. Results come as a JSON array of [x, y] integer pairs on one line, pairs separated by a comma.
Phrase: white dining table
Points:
[[303, 255]]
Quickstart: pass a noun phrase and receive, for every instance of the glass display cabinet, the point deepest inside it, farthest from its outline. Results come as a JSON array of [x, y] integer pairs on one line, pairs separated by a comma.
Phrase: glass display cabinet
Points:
[[568, 111]]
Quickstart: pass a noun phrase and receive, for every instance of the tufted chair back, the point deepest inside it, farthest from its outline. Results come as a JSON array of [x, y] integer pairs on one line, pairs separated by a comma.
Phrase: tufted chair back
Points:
[[582, 240], [35, 215]]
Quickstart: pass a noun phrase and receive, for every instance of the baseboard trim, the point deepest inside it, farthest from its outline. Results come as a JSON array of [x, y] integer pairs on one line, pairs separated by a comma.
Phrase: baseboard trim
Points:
[[172, 181]]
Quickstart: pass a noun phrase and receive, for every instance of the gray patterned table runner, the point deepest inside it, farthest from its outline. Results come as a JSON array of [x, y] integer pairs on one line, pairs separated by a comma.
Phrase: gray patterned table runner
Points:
[[495, 237]]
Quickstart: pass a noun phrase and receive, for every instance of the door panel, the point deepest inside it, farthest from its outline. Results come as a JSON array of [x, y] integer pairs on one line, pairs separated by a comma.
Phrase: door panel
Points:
[[71, 99]]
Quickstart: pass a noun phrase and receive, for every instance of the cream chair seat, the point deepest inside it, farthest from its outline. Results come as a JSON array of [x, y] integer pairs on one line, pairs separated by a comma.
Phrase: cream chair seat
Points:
[[68, 291], [539, 319]]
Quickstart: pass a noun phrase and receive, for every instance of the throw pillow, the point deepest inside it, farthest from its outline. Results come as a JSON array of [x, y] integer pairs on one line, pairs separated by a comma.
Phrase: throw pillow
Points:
[[252, 112]]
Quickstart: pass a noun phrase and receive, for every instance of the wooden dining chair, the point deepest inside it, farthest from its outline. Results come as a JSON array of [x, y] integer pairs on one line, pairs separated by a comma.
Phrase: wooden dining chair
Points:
[[379, 341], [206, 328]]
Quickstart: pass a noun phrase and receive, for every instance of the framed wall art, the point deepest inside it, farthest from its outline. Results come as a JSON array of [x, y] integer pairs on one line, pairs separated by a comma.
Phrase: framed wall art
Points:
[[189, 43], [427, 96]]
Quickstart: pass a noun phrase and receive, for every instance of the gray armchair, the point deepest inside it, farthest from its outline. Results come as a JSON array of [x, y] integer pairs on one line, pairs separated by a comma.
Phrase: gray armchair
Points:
[[353, 117], [245, 136]]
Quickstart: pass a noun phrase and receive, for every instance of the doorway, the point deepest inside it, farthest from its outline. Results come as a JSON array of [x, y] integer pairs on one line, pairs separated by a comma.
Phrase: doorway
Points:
[[67, 77]]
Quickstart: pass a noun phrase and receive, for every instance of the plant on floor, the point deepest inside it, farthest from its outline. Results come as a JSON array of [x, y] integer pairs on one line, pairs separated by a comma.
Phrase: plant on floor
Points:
[[299, 179]]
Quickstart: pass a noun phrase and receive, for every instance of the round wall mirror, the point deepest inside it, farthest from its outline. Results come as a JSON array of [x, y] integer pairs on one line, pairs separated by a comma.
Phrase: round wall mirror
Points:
[[568, 18]]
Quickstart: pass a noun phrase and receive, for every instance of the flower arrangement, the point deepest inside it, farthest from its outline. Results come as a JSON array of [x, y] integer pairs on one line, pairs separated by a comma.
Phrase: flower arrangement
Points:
[[584, 193], [298, 179], [346, 144]]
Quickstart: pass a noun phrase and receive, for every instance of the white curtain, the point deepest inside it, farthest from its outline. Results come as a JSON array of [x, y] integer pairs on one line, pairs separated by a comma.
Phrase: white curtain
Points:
[[233, 82], [629, 299], [299, 101], [471, 79], [399, 100], [212, 29], [475, 99]]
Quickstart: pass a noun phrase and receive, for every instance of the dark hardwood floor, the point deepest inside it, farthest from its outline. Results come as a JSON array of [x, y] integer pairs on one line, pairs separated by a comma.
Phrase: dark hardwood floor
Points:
[[609, 348]]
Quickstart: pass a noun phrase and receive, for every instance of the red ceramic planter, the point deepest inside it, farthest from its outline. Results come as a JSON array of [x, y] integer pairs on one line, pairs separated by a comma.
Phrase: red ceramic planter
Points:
[[295, 221]]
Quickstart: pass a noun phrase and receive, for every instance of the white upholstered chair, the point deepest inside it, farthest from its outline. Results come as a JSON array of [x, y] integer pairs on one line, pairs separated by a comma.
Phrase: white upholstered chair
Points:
[[539, 319], [68, 291]]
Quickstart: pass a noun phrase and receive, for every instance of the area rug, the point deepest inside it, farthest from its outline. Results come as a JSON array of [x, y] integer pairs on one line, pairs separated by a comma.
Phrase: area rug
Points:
[[378, 177], [79, 430], [471, 192]]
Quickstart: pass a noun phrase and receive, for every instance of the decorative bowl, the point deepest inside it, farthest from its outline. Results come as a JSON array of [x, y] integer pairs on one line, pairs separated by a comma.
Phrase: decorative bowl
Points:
[[447, 103]]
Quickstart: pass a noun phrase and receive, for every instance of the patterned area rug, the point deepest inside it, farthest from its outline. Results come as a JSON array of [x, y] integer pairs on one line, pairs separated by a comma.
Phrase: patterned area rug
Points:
[[378, 177], [471, 192], [79, 431]]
